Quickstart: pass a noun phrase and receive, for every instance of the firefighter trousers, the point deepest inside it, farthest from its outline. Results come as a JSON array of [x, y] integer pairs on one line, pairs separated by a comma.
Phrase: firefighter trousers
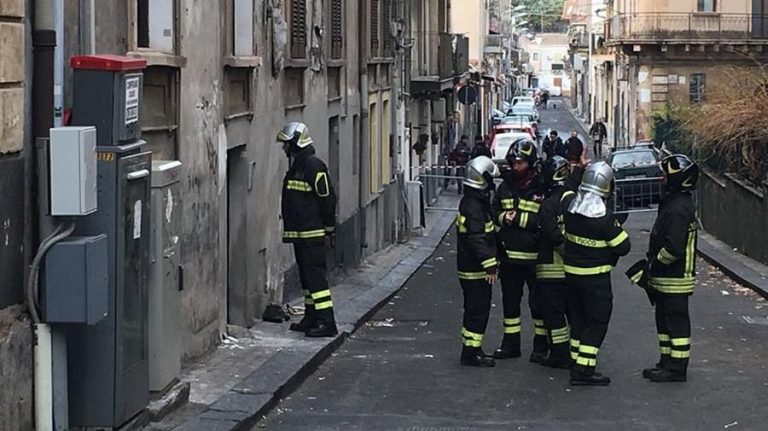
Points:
[[673, 324], [554, 301], [311, 260], [513, 279], [477, 308], [590, 301]]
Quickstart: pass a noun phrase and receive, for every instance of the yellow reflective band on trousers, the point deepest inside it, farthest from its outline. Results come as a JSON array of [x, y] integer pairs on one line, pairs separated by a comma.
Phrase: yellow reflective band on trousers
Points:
[[488, 263], [539, 327], [512, 325], [597, 270], [549, 271], [301, 186], [664, 337], [623, 236], [471, 339], [589, 350], [665, 257], [680, 342], [586, 242], [529, 206], [322, 299], [561, 335], [586, 362], [673, 285], [318, 233], [321, 294], [472, 275], [522, 255], [575, 348], [679, 354]]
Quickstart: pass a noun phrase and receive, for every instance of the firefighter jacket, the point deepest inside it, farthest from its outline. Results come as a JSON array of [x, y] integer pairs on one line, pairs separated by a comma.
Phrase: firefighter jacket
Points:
[[552, 220], [672, 249], [592, 245], [518, 240], [476, 255], [309, 202], [550, 263]]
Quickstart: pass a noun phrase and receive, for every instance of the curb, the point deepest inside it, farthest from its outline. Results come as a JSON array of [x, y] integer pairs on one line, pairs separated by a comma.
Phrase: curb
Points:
[[249, 401], [732, 267]]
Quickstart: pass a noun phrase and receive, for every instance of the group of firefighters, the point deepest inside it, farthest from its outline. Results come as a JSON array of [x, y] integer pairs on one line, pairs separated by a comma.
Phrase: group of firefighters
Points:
[[549, 226]]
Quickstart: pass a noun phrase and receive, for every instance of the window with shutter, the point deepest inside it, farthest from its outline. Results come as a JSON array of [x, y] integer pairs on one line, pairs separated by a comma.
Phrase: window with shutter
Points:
[[337, 29], [386, 27], [298, 29], [374, 28]]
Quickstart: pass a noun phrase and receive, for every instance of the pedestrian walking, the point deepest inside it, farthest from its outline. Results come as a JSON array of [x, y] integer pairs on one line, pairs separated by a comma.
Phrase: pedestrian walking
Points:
[[599, 133], [574, 148], [550, 275], [457, 161], [516, 211], [309, 217], [476, 258], [553, 145], [672, 268], [480, 149], [594, 241]]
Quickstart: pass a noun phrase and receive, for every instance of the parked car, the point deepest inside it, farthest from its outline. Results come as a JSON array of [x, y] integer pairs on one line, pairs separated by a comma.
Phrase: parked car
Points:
[[523, 120], [638, 177], [524, 109], [501, 143], [497, 117], [523, 100]]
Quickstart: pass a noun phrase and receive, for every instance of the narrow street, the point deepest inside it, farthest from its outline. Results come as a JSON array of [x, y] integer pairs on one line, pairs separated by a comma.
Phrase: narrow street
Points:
[[401, 371]]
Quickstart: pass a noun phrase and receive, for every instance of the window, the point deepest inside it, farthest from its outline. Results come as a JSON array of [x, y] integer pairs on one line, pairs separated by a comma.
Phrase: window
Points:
[[374, 28], [294, 87], [385, 145], [237, 92], [155, 25], [375, 145], [698, 87], [707, 6], [337, 29], [240, 29], [298, 28], [535, 56], [386, 12], [160, 112], [334, 83]]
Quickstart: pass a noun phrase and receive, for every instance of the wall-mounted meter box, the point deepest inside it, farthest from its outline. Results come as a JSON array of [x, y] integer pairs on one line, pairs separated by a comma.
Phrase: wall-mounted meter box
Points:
[[72, 161]]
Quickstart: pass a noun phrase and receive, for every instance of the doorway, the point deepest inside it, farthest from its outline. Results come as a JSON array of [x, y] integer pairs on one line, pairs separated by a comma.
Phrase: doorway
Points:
[[239, 302]]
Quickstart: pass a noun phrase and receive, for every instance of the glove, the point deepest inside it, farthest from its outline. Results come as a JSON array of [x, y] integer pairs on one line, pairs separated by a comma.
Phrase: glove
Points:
[[638, 274]]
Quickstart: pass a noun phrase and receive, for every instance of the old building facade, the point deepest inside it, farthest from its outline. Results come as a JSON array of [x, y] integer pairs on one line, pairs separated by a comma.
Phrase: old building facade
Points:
[[222, 79]]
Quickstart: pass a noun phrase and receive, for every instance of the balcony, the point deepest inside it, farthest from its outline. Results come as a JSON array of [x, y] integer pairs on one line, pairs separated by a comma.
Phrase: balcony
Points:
[[702, 28], [578, 38], [450, 62], [494, 44]]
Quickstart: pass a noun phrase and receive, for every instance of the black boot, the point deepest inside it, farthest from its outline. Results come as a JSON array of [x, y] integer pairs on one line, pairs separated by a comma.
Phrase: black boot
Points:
[[583, 376], [510, 348], [302, 325], [559, 357], [537, 357], [322, 329], [474, 357], [665, 375], [647, 372]]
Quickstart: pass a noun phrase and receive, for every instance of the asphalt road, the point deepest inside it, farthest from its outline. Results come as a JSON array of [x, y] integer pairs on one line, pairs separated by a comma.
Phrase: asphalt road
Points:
[[401, 371]]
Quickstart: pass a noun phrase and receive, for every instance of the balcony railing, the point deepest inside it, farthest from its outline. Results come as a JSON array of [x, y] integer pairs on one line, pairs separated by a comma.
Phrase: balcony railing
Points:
[[692, 27]]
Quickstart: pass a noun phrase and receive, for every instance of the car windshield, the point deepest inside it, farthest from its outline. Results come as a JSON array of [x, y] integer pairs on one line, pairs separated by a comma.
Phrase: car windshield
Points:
[[512, 119], [634, 158], [517, 110]]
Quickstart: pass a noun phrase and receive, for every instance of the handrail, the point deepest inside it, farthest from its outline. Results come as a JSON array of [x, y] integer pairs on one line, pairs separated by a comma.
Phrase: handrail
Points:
[[687, 26]]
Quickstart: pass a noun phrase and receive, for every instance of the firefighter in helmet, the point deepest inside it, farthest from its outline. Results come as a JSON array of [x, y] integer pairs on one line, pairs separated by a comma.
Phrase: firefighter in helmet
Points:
[[309, 217], [476, 257], [672, 268]]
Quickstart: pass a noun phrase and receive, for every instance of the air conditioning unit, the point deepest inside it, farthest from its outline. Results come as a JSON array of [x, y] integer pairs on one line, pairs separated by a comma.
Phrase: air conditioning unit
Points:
[[414, 198]]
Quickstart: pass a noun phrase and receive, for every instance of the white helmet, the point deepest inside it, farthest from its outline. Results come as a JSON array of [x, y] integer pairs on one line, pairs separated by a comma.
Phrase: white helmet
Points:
[[295, 134], [598, 179], [480, 173]]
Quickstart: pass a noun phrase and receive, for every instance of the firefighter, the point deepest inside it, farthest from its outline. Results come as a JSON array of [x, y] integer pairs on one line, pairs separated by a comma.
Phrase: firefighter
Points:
[[550, 276], [594, 241], [309, 217], [516, 211], [476, 258], [672, 268]]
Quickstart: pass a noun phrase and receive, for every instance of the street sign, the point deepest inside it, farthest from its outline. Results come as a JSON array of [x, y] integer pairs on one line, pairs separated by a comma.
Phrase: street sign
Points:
[[467, 95]]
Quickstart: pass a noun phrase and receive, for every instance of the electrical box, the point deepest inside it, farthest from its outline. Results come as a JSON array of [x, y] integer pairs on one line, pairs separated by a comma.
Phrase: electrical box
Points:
[[108, 89], [72, 157], [76, 284]]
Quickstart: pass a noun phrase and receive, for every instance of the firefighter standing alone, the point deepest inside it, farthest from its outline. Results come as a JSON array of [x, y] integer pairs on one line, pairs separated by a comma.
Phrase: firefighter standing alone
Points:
[[594, 241], [476, 257], [672, 268], [309, 216]]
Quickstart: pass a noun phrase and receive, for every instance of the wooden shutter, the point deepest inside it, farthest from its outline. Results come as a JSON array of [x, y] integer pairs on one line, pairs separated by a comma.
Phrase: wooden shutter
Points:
[[298, 28], [374, 28], [386, 27], [337, 29]]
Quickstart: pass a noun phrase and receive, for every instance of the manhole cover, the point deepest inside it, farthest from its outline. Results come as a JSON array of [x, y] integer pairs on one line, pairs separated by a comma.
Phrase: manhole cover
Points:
[[756, 320]]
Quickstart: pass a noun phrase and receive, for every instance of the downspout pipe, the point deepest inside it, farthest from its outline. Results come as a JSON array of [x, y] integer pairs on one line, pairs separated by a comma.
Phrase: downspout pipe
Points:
[[364, 128]]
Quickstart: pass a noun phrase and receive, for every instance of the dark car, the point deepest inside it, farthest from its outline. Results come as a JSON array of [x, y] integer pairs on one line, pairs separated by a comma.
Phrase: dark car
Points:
[[638, 178]]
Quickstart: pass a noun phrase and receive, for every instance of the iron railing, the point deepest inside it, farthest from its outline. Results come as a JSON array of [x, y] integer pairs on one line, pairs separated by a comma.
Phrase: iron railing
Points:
[[687, 27]]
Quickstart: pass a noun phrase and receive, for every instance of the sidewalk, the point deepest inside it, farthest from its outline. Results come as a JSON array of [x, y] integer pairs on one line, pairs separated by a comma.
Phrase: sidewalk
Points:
[[741, 268], [253, 369]]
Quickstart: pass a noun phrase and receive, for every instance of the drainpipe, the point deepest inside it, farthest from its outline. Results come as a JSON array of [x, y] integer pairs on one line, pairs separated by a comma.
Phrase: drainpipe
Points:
[[364, 127], [44, 45]]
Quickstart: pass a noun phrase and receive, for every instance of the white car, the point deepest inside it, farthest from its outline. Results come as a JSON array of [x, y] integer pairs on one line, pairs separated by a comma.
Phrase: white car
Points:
[[501, 144], [523, 99], [524, 109]]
